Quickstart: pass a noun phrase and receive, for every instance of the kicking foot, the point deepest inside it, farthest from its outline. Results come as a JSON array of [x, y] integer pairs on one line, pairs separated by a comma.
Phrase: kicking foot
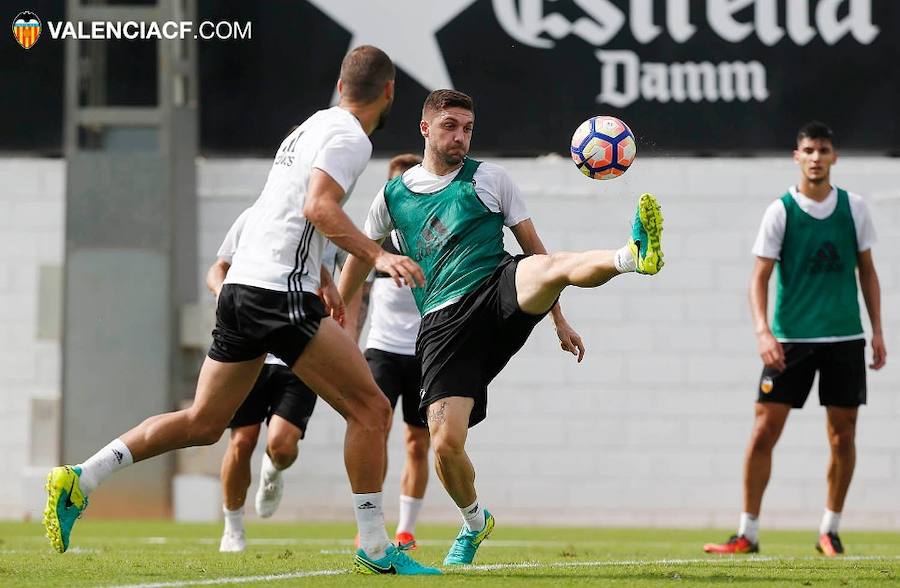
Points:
[[736, 544], [395, 561], [462, 552], [645, 242], [65, 503]]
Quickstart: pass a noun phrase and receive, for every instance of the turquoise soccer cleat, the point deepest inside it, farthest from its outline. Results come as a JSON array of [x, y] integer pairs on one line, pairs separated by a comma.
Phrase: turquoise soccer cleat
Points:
[[394, 562], [65, 503], [462, 552], [645, 242]]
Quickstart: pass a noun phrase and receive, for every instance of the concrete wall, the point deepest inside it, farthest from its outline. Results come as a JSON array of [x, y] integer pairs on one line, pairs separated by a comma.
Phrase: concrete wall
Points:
[[649, 430]]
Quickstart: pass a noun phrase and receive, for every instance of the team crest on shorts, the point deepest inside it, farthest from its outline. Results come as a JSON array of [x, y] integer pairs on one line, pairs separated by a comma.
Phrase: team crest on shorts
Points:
[[766, 385], [26, 29]]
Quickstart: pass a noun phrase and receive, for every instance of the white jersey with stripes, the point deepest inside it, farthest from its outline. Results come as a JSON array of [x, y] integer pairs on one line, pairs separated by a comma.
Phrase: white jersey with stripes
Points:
[[279, 250]]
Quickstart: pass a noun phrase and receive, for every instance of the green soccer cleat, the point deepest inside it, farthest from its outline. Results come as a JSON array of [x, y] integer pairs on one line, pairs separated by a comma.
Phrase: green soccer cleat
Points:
[[462, 552], [394, 562], [65, 503], [645, 242]]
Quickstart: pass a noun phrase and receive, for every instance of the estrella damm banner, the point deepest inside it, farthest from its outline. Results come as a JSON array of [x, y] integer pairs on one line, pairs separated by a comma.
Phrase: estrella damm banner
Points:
[[27, 29]]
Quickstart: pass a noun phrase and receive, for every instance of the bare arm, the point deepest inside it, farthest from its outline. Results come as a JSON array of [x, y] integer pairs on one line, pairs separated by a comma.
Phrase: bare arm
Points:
[[215, 276], [334, 304], [357, 311], [323, 209], [770, 349], [531, 243], [871, 291], [353, 274]]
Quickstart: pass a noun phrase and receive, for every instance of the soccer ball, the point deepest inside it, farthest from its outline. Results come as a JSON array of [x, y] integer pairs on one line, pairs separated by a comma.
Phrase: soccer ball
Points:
[[603, 147]]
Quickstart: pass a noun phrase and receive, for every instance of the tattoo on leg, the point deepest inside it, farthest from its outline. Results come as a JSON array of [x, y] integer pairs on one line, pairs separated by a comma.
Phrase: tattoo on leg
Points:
[[437, 415]]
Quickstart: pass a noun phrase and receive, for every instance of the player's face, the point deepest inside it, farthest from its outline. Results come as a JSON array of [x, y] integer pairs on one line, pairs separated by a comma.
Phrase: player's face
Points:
[[449, 134], [815, 158]]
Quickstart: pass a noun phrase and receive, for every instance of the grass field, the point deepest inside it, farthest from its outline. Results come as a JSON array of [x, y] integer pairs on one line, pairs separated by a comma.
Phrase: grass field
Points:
[[132, 553]]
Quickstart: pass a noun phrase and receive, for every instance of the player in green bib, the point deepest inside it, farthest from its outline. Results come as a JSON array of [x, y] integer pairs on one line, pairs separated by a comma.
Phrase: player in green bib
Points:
[[816, 238], [479, 303]]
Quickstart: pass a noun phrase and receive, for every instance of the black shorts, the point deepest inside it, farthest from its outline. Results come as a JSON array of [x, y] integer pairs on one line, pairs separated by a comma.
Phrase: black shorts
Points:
[[462, 347], [842, 374], [276, 391], [251, 321], [398, 375]]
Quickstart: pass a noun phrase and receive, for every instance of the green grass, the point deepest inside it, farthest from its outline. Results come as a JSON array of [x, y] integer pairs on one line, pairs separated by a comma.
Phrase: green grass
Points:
[[112, 553]]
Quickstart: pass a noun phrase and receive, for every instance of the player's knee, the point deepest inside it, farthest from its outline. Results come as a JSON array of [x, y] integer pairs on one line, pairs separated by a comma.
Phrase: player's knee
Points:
[[763, 439], [282, 451], [447, 444], [842, 441], [374, 414], [417, 444], [243, 443]]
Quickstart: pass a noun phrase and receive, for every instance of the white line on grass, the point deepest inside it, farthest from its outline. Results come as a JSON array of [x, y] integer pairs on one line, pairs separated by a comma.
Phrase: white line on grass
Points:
[[236, 579], [515, 566]]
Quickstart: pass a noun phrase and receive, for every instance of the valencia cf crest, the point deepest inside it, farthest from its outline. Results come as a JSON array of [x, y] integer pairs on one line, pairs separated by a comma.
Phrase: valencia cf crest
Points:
[[26, 29]]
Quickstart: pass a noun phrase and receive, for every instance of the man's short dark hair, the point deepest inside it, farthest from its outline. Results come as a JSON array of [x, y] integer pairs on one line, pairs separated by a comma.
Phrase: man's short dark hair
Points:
[[364, 72], [440, 100], [401, 163], [815, 130]]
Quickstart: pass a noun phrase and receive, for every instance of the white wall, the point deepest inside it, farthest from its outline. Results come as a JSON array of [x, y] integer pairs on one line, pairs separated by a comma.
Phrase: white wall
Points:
[[649, 430]]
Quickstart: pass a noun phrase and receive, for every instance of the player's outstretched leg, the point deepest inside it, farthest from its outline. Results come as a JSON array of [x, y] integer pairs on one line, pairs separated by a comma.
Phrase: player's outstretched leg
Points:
[[541, 278], [65, 503]]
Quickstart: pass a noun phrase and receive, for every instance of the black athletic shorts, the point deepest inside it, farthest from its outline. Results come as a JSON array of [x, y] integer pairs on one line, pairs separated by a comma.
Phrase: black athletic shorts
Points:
[[842, 374], [251, 321], [398, 375], [462, 347], [276, 391]]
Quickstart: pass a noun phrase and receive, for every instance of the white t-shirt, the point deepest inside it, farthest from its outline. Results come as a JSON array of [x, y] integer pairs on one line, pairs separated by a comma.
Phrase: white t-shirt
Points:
[[394, 323], [771, 231], [492, 185], [278, 245]]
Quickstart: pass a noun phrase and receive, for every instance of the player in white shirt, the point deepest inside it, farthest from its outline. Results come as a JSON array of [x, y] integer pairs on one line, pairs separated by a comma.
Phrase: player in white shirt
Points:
[[268, 304], [278, 397]]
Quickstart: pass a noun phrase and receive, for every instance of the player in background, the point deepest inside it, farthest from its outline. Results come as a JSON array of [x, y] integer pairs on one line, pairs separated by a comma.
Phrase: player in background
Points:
[[817, 237], [391, 355], [278, 397], [268, 304], [479, 304]]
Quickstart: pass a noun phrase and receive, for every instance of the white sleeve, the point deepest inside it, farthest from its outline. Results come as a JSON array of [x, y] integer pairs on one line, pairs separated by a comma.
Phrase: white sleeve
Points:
[[501, 194], [344, 157], [862, 221], [230, 243], [378, 222], [771, 232]]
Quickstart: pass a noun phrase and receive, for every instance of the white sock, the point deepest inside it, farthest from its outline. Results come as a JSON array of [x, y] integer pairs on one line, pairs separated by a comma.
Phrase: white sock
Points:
[[830, 522], [234, 520], [624, 260], [749, 527], [102, 464], [373, 537], [474, 516], [268, 472], [409, 512]]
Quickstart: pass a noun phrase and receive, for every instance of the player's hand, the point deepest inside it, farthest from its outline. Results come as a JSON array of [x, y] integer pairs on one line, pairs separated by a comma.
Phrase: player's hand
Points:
[[879, 353], [771, 352], [334, 304], [569, 340], [401, 268]]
